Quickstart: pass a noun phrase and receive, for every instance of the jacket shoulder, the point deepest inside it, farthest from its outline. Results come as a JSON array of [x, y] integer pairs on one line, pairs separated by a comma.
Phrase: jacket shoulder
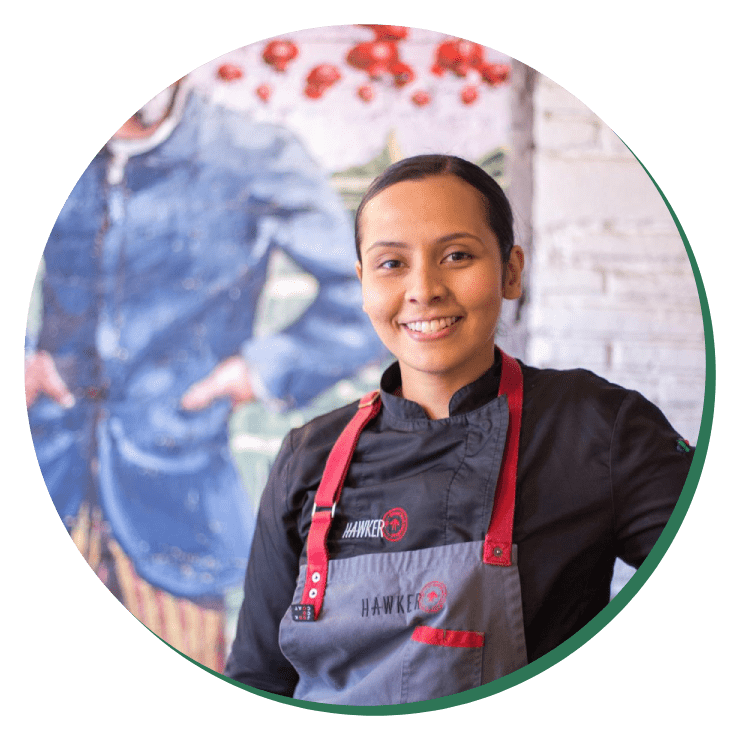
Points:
[[573, 401], [575, 385], [312, 442]]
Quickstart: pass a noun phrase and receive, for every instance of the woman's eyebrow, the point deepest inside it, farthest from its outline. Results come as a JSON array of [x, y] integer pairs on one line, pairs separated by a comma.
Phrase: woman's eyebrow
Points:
[[454, 236], [386, 244], [443, 239]]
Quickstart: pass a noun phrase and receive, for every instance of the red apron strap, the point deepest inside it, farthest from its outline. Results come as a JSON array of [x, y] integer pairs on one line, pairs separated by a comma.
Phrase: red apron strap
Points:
[[325, 502], [498, 542]]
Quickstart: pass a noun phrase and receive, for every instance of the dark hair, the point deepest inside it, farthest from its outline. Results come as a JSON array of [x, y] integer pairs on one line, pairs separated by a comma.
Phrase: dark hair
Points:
[[497, 207]]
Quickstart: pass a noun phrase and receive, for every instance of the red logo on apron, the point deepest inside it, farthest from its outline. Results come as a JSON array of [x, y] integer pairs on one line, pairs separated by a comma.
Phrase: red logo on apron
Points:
[[432, 597], [395, 524]]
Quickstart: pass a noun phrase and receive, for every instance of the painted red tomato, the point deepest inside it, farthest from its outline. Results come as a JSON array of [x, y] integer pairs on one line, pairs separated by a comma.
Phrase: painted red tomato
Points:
[[459, 56], [471, 53], [230, 72], [323, 75], [314, 91], [366, 93], [421, 98], [263, 92], [495, 73], [469, 94], [365, 55], [279, 54]]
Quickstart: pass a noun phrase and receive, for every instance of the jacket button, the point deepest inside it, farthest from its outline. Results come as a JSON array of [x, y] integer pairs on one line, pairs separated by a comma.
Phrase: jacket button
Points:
[[497, 552], [313, 593], [316, 577]]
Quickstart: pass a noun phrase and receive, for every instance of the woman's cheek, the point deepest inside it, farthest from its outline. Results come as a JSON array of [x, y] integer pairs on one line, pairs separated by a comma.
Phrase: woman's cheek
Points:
[[377, 300], [381, 316]]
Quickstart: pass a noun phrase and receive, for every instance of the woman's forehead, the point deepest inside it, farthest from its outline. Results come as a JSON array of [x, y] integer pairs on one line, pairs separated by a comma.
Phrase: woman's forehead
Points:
[[439, 201]]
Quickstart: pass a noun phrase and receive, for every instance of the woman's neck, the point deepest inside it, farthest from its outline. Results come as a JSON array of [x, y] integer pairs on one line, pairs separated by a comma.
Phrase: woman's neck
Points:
[[431, 397], [433, 391]]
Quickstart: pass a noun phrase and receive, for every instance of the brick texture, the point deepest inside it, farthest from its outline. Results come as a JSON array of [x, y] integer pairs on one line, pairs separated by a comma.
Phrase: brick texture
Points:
[[611, 287]]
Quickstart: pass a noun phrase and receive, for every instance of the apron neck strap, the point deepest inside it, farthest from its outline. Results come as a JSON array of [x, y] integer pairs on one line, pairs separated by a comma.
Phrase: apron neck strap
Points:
[[325, 502], [498, 542]]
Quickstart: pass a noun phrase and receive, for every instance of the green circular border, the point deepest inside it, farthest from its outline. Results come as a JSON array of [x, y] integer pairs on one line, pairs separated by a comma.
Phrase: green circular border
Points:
[[71, 664]]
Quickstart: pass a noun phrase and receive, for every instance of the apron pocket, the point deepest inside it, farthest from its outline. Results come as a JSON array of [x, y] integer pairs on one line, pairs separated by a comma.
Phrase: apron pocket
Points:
[[441, 662], [445, 637]]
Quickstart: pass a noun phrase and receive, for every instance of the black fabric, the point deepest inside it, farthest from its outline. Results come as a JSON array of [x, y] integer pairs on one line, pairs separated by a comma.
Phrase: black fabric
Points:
[[599, 473]]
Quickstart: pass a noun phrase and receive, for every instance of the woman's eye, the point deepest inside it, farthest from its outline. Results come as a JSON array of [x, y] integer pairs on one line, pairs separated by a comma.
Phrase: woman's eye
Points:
[[459, 256], [389, 264]]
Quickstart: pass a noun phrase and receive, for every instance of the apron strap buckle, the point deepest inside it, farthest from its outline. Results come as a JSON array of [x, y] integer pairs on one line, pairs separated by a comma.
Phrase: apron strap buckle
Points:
[[320, 508]]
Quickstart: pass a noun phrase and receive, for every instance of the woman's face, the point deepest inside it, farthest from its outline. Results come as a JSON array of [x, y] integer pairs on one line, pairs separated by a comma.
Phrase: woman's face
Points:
[[432, 277]]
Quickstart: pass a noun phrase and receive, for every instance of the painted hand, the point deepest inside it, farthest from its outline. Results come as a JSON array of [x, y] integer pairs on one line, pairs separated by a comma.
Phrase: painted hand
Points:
[[228, 379], [41, 377]]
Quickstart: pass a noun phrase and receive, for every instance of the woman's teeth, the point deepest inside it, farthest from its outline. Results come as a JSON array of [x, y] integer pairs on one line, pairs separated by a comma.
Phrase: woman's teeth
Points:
[[431, 325]]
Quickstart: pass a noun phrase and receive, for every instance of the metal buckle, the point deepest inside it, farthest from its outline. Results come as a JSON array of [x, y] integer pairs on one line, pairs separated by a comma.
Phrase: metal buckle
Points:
[[314, 509]]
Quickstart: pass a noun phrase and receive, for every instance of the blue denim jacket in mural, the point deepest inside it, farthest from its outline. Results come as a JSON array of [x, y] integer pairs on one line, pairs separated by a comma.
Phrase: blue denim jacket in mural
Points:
[[151, 281]]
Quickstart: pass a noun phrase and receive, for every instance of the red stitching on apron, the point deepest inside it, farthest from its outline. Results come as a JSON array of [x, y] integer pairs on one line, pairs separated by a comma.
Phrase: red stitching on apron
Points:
[[446, 637]]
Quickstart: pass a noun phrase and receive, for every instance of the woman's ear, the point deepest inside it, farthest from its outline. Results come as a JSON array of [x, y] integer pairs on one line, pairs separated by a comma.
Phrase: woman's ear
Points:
[[512, 288]]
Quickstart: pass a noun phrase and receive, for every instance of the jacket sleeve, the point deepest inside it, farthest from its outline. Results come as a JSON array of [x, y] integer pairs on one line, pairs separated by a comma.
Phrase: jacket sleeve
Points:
[[255, 658], [306, 219], [649, 463]]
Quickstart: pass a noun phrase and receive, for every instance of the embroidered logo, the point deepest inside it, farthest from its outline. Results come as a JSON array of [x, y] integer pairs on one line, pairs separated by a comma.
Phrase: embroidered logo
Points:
[[395, 524], [392, 526], [395, 603], [431, 600], [364, 528], [433, 596]]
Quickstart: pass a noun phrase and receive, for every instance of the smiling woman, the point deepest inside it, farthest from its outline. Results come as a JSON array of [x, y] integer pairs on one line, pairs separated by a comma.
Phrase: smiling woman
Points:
[[463, 520]]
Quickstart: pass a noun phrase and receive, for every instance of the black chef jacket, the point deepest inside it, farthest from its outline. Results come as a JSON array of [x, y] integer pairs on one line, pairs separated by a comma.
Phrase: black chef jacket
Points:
[[599, 473]]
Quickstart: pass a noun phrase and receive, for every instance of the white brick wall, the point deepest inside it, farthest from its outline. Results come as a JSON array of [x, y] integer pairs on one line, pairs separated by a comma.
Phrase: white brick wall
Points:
[[611, 288]]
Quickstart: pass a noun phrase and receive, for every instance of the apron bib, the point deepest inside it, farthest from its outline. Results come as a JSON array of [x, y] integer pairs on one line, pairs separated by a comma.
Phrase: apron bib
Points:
[[406, 626]]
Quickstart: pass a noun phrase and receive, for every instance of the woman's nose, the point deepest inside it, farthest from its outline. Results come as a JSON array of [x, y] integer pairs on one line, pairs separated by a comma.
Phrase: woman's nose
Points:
[[426, 284]]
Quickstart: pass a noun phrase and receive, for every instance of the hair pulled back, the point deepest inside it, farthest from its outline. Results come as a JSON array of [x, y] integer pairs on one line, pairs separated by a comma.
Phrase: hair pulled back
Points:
[[497, 208]]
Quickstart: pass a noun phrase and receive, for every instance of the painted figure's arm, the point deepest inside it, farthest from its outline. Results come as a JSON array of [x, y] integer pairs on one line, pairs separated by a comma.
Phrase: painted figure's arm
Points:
[[333, 338]]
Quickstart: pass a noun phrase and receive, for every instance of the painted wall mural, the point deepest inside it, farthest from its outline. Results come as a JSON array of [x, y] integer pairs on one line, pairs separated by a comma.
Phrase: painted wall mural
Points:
[[197, 296]]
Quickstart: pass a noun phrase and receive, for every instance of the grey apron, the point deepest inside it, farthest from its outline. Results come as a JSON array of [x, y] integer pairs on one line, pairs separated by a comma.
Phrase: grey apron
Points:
[[401, 627]]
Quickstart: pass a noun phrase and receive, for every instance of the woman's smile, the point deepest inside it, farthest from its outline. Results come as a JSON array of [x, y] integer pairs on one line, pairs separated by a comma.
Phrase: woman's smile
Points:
[[430, 328]]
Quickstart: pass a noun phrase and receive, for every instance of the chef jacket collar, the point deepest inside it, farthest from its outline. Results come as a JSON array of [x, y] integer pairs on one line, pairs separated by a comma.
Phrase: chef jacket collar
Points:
[[472, 396]]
